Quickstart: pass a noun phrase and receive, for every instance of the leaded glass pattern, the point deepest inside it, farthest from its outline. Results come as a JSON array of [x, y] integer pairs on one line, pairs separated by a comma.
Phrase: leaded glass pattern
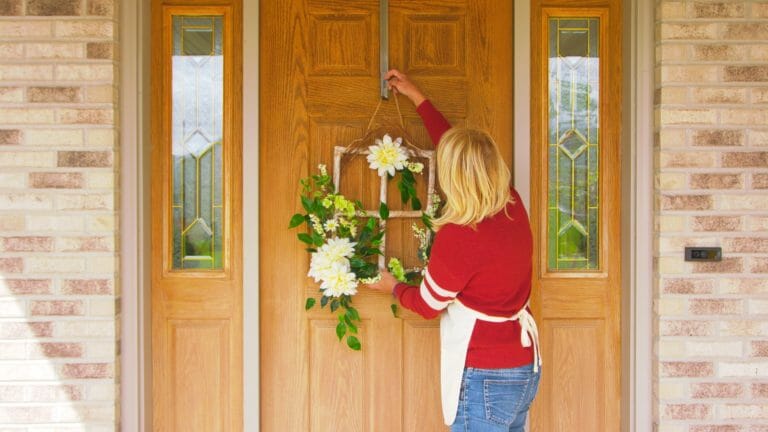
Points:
[[573, 144], [197, 113]]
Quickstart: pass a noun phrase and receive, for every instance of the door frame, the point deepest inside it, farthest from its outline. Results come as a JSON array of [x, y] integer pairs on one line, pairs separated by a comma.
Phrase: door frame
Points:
[[637, 200]]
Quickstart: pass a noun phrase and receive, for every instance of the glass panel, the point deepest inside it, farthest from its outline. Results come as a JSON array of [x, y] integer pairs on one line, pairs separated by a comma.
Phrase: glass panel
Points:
[[197, 112], [573, 156]]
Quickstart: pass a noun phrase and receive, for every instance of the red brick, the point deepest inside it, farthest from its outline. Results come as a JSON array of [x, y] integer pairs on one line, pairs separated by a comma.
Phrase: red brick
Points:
[[760, 181], [87, 287], [56, 307], [28, 286], [85, 159], [686, 411], [759, 265], [759, 349], [60, 349], [28, 244], [11, 265], [10, 7], [99, 50], [53, 180], [716, 181], [10, 137], [718, 137], [25, 330], [760, 390], [53, 94], [715, 306], [727, 265], [86, 370], [745, 159], [716, 390], [686, 369], [746, 74], [101, 7], [688, 286], [54, 7], [716, 223], [686, 202], [746, 244], [718, 10]]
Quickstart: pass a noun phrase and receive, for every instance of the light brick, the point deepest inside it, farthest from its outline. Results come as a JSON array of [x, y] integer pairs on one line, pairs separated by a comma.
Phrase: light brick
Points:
[[672, 95], [11, 94], [714, 349], [670, 306], [27, 159], [671, 265], [744, 286], [671, 181], [54, 264], [25, 29], [746, 117], [85, 116], [671, 138], [85, 244], [57, 137], [741, 202], [743, 328], [690, 328], [670, 349], [12, 308], [669, 389], [758, 138], [27, 201], [100, 94], [54, 50], [13, 72], [87, 72], [688, 31], [12, 351], [10, 222], [757, 53], [101, 307], [81, 29], [85, 202], [668, 224], [746, 31], [743, 411], [688, 117], [689, 74], [27, 115], [743, 369], [102, 264], [687, 159], [686, 411], [100, 180], [727, 265], [80, 329], [56, 224], [13, 180]]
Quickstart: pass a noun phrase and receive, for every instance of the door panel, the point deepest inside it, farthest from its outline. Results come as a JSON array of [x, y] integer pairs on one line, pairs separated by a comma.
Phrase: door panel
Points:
[[196, 224], [319, 85], [575, 212]]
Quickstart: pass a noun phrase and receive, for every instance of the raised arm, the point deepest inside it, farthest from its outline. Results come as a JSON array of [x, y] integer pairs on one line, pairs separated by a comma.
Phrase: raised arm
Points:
[[434, 121]]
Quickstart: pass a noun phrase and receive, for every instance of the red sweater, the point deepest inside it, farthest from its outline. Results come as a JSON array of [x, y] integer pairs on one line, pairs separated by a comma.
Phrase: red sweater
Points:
[[487, 269]]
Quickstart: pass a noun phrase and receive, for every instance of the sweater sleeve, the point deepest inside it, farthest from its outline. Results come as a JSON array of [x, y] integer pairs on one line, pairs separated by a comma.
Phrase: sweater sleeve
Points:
[[434, 121], [443, 281]]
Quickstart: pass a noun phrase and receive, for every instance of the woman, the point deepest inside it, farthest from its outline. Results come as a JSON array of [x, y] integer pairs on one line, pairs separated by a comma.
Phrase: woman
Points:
[[478, 279]]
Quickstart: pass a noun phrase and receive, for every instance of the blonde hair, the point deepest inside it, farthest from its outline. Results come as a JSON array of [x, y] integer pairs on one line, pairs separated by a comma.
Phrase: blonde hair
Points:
[[473, 175]]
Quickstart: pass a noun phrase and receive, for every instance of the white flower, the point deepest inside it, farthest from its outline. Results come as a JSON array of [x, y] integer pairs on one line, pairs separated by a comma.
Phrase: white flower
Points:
[[415, 167], [387, 156], [320, 266], [339, 281], [317, 225], [338, 248], [331, 225]]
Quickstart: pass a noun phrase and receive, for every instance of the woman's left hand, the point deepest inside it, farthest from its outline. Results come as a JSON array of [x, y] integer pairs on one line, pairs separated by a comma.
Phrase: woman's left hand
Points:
[[386, 284]]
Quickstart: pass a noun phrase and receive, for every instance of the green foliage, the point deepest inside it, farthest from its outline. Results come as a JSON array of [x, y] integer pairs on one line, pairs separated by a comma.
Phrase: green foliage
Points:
[[309, 304]]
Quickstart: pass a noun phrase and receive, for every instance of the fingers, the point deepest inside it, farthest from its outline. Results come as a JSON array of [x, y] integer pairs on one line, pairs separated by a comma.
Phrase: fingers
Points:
[[394, 73]]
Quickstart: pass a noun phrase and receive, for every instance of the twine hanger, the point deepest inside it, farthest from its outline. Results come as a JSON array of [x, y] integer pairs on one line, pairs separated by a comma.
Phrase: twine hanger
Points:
[[366, 137]]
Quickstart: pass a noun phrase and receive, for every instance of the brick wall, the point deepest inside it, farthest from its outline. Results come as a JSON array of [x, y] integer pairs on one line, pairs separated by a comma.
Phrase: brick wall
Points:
[[712, 190], [58, 294]]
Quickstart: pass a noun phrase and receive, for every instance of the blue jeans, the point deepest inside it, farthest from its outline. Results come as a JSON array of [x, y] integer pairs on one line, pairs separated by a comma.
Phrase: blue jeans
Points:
[[495, 400]]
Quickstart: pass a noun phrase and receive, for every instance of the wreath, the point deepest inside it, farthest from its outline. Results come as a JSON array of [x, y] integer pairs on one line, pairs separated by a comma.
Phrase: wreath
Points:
[[345, 241]]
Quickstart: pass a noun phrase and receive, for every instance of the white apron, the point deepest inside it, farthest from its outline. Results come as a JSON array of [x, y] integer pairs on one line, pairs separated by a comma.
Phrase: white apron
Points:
[[456, 325]]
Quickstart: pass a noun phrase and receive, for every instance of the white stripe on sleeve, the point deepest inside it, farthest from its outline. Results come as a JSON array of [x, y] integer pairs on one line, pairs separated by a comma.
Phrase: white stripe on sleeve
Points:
[[436, 288], [430, 300]]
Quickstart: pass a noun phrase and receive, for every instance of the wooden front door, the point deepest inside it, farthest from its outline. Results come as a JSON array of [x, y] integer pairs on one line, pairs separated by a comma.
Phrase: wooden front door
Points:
[[319, 85], [196, 216], [576, 212]]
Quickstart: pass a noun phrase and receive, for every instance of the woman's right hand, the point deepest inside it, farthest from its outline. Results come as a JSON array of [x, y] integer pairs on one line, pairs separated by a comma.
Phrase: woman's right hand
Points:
[[399, 83]]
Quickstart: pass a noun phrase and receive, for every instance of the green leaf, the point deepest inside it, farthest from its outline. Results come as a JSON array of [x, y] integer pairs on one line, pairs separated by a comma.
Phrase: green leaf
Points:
[[341, 330], [311, 250], [352, 327], [353, 343], [371, 224], [297, 220], [323, 301], [408, 176], [334, 305], [353, 313], [426, 220], [307, 203], [309, 304], [415, 203], [383, 211], [394, 309], [403, 191], [356, 263], [306, 238], [317, 239]]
